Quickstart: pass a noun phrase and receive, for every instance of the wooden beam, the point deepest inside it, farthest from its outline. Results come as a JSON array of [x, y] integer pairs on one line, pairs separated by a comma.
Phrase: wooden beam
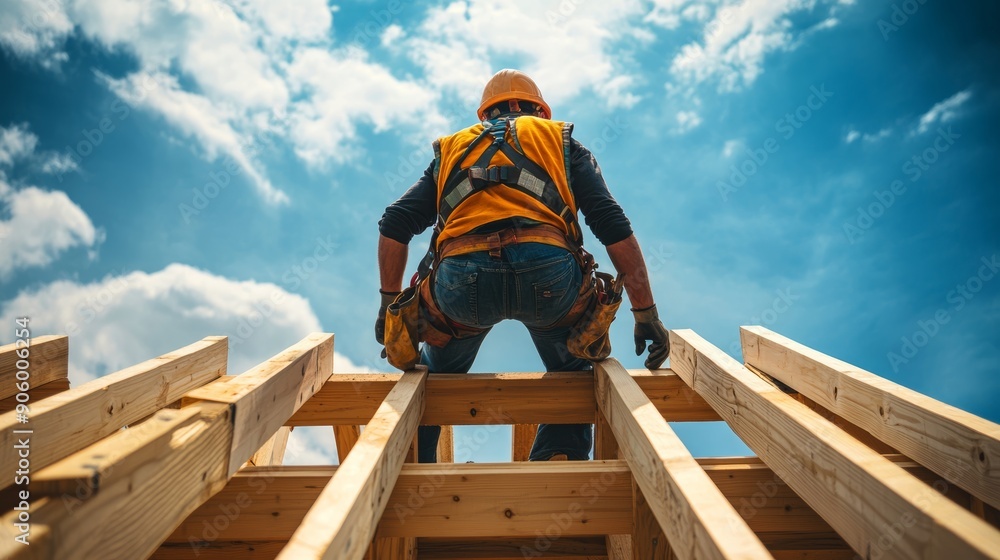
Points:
[[564, 548], [341, 524], [176, 460], [273, 451], [47, 359], [507, 500], [266, 396], [496, 398], [70, 421], [691, 510], [446, 445], [858, 492], [618, 547], [147, 479], [345, 437], [961, 447], [648, 540], [273, 501], [521, 441]]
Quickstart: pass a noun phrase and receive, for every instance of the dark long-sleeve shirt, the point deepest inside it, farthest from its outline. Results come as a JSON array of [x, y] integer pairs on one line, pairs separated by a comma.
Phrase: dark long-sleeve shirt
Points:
[[416, 210]]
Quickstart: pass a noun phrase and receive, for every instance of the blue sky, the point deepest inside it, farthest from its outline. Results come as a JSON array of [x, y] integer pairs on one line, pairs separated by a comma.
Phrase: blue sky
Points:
[[175, 169]]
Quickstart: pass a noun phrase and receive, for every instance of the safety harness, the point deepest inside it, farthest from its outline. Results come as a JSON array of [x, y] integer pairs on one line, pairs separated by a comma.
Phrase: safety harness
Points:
[[411, 320]]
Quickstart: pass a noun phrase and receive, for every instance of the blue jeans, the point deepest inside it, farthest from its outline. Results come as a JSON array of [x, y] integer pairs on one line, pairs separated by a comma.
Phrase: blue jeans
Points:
[[533, 283]]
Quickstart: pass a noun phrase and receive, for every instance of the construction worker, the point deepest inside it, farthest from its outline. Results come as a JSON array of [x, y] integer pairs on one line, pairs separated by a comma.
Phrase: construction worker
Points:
[[503, 196]]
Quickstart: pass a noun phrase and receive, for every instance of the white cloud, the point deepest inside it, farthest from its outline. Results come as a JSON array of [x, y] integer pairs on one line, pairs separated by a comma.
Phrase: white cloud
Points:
[[127, 318], [737, 40], [564, 47], [16, 143], [35, 29], [943, 111], [55, 163], [39, 227], [196, 116], [36, 226], [345, 90], [731, 147], [687, 121], [852, 135]]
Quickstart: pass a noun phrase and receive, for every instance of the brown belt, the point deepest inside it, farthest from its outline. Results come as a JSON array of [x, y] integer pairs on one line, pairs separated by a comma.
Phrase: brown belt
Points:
[[493, 242]]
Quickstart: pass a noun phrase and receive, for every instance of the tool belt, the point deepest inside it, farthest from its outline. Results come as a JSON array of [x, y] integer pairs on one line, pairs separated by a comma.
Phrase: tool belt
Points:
[[414, 316]]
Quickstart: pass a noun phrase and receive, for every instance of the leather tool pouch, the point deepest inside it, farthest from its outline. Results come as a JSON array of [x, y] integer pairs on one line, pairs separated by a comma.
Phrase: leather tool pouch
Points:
[[589, 338], [402, 328]]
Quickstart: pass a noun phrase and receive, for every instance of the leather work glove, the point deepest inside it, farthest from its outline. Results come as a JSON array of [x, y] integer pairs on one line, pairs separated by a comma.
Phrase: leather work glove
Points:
[[387, 298], [649, 327]]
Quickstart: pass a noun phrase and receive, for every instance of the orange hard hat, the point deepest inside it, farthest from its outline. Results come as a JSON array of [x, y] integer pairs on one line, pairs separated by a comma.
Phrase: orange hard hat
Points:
[[510, 84]]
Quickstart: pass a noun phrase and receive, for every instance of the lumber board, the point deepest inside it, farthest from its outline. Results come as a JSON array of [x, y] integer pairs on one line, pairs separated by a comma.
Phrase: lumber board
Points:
[[224, 550], [618, 546], [71, 420], [273, 501], [960, 446], [35, 394], [48, 361], [510, 500], [857, 491], [446, 445], [521, 441], [695, 516], [345, 438], [273, 451], [266, 396], [342, 522], [497, 398], [648, 540], [495, 548], [140, 500]]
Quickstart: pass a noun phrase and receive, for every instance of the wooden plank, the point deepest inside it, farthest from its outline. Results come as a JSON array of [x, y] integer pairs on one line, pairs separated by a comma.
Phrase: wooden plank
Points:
[[70, 421], [345, 437], [496, 398], [225, 550], [142, 494], [496, 548], [522, 438], [266, 396], [857, 491], [508, 500], [273, 501], [396, 549], [691, 510], [35, 394], [273, 451], [446, 445], [47, 357], [619, 547], [961, 447], [342, 522], [648, 540]]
